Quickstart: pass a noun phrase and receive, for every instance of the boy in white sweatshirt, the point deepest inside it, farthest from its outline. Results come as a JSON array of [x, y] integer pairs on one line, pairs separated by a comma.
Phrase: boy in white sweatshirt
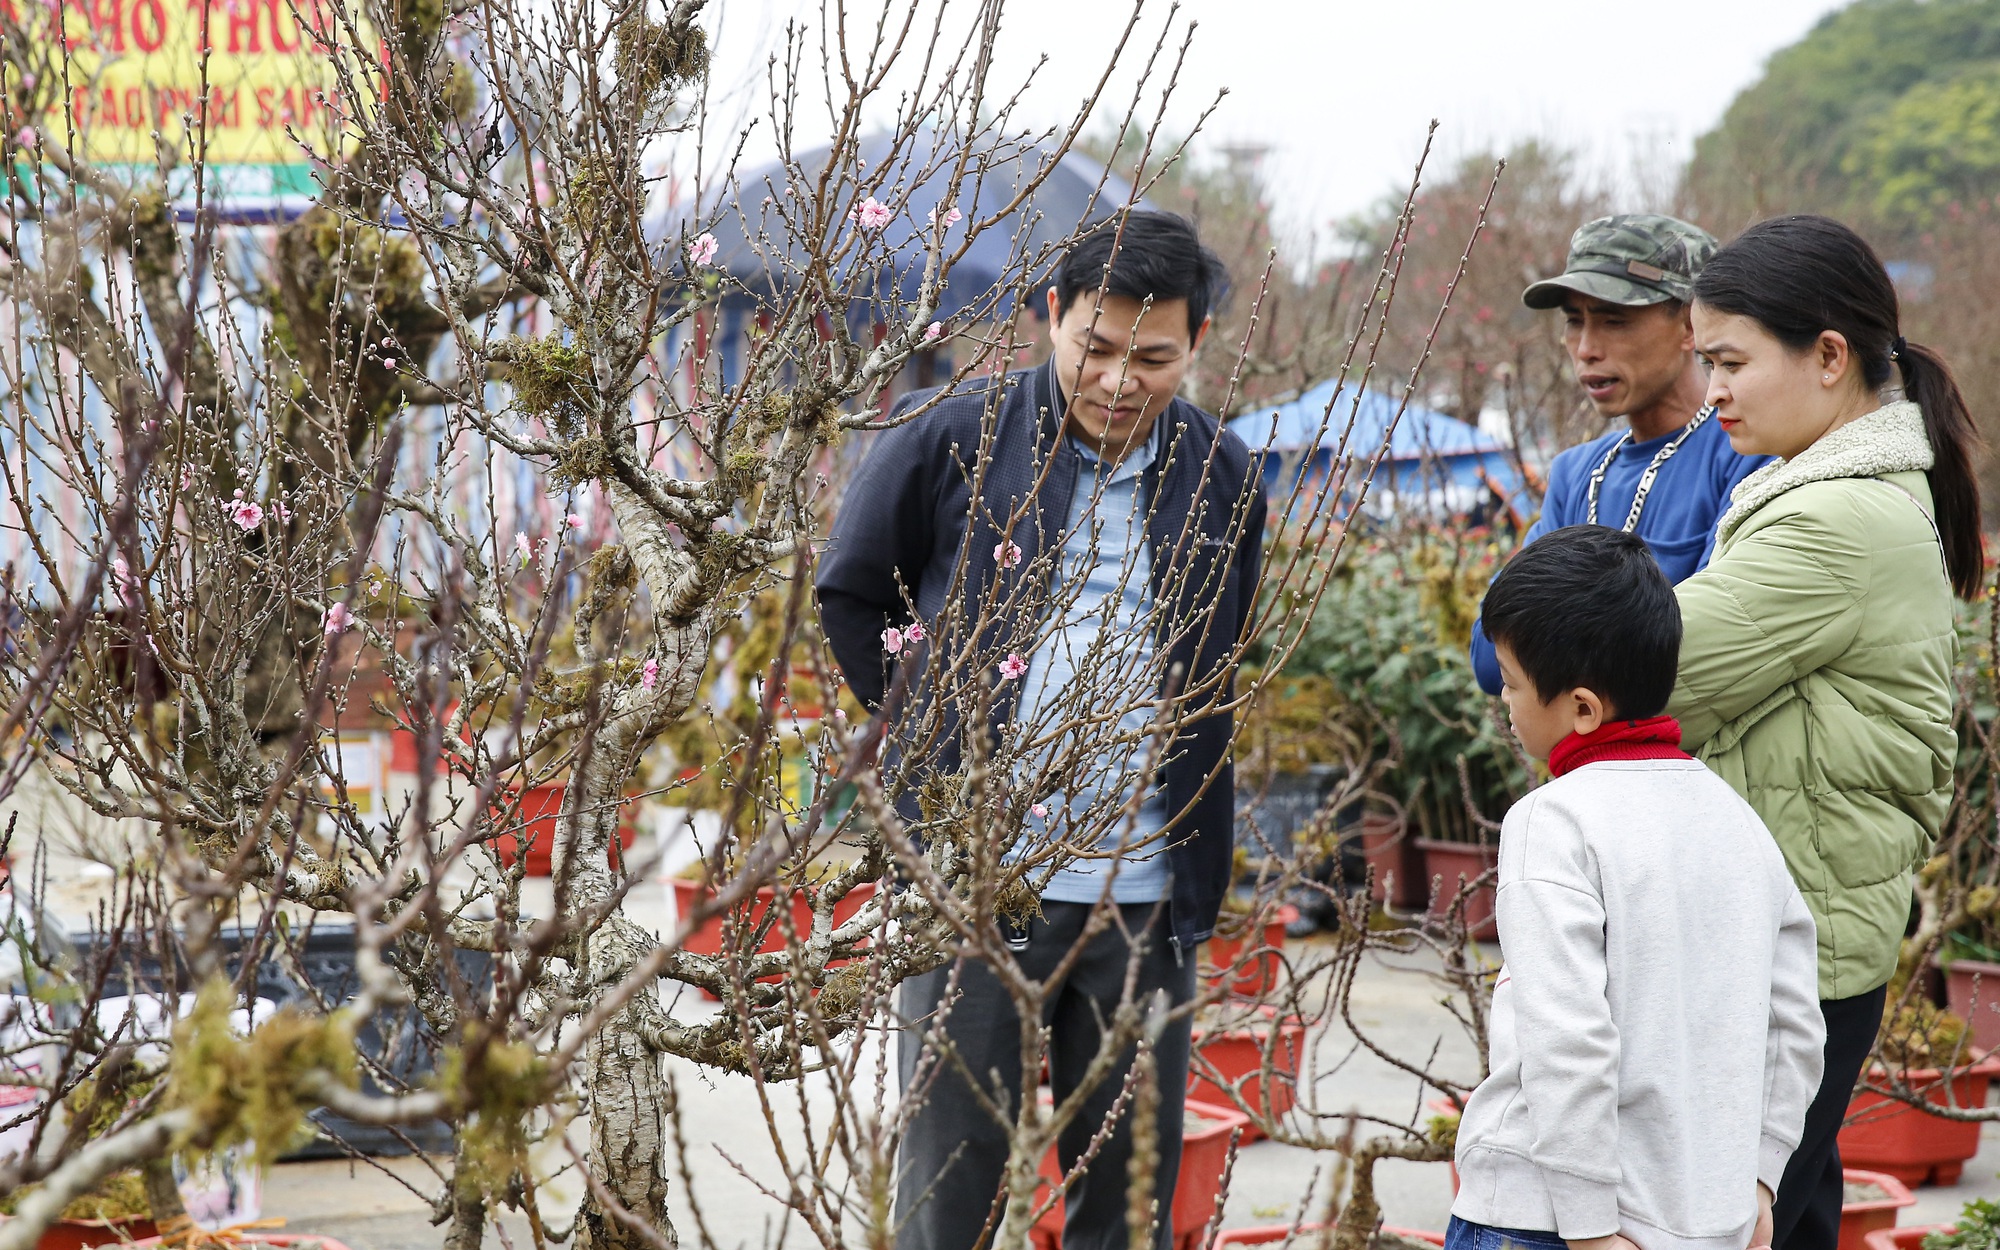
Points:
[[1655, 1033]]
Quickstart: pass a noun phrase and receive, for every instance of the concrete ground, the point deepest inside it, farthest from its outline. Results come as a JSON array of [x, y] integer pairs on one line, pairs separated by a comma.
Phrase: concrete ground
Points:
[[730, 1150], [386, 1205], [369, 1211]]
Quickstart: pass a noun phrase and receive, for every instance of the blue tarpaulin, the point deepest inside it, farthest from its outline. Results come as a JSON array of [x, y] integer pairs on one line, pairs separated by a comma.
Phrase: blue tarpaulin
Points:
[[1434, 464]]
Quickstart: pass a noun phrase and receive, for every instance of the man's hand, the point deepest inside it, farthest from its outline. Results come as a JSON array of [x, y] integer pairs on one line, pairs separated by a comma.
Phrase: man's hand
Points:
[[1760, 1237], [1616, 1241]]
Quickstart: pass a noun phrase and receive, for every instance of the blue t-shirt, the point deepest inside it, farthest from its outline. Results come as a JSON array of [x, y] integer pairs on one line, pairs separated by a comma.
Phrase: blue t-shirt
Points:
[[1678, 522]]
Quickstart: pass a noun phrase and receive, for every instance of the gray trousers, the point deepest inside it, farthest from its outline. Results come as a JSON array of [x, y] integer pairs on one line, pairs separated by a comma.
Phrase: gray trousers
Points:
[[953, 1152]]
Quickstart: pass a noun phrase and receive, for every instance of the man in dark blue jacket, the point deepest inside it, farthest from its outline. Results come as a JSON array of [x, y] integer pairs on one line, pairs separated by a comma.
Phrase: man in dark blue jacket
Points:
[[1667, 475], [1040, 532]]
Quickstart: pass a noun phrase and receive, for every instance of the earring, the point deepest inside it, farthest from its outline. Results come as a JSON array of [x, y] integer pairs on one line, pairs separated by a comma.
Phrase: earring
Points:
[[1826, 377]]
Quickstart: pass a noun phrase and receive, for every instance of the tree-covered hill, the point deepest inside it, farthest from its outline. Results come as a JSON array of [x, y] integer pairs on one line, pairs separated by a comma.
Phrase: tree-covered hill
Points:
[[1888, 112]]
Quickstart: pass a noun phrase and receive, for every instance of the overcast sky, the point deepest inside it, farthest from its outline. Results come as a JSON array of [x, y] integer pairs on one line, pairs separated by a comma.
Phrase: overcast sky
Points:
[[1341, 91]]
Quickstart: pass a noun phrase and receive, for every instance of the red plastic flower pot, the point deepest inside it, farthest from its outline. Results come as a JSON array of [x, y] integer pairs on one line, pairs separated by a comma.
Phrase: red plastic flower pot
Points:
[[403, 741], [1455, 864], [1396, 869], [1904, 1238], [1234, 1047], [84, 1234], [1204, 1153], [402, 750], [1885, 1135], [1223, 956], [746, 916], [1230, 1238], [540, 806], [1972, 987], [1858, 1219]]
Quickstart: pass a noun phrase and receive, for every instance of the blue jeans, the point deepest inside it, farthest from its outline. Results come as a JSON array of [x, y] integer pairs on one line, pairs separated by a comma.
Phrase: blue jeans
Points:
[[1462, 1235]]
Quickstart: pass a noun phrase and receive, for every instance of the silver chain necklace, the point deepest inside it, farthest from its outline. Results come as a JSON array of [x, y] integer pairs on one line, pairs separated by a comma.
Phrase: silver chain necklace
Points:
[[1645, 487]]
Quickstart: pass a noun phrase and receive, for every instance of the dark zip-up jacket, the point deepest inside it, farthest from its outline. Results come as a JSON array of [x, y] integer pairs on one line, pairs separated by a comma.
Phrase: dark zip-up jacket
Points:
[[925, 496]]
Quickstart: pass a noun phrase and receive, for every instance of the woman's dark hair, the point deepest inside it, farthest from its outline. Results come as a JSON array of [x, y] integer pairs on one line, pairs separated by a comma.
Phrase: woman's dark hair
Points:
[[1587, 606], [1156, 256], [1801, 276]]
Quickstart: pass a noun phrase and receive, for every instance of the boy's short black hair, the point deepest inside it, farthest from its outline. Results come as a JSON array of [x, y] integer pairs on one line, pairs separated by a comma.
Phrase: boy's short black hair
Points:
[[1587, 606], [1158, 256]]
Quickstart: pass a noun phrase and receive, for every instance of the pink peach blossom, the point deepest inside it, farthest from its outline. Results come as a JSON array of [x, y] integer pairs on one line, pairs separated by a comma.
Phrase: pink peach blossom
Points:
[[951, 216], [246, 514], [1013, 666], [649, 676], [701, 252], [892, 640], [932, 331], [338, 620], [574, 521], [915, 633], [872, 214], [1007, 554], [1038, 811]]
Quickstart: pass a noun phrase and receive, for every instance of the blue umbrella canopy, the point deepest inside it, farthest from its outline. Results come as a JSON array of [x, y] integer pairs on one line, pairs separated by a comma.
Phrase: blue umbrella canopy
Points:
[[1318, 418], [759, 240], [1434, 464]]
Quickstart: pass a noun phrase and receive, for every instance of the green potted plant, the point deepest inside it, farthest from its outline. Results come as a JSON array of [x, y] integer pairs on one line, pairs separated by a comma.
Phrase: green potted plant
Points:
[[1389, 637]]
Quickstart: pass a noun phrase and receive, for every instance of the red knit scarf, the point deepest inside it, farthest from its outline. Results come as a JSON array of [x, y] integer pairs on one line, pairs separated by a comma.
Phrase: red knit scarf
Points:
[[1655, 738]]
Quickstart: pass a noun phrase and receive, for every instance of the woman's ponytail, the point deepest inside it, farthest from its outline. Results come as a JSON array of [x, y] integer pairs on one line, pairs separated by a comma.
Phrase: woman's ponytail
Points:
[[1954, 487]]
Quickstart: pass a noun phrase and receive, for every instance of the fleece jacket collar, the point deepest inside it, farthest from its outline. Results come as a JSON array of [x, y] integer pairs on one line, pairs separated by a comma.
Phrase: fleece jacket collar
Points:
[[1890, 439]]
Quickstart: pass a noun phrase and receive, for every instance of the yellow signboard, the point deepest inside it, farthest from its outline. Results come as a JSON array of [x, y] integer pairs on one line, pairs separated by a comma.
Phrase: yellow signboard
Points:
[[246, 86]]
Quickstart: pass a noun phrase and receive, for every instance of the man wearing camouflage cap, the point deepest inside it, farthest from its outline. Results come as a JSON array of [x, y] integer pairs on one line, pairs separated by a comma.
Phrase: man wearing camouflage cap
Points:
[[1665, 476]]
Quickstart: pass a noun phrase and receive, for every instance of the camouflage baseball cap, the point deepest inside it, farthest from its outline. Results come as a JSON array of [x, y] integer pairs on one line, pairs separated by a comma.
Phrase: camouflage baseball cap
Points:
[[1631, 259]]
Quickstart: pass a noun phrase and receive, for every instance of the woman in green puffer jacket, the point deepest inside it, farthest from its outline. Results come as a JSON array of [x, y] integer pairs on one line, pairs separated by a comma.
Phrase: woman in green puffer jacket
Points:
[[1815, 671]]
